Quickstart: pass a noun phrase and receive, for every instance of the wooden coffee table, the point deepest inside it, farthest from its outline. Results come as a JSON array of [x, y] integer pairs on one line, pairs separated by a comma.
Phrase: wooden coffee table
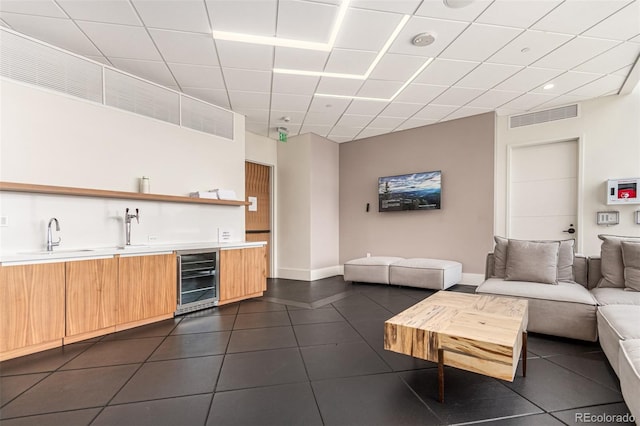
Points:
[[480, 333]]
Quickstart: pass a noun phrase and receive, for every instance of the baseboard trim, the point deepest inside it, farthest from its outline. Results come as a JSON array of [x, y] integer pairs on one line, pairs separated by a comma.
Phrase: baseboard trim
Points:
[[309, 274], [331, 271], [472, 279]]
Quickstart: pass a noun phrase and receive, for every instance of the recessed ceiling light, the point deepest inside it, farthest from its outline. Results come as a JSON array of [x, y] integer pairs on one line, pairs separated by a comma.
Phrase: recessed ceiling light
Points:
[[456, 4], [549, 86], [423, 39]]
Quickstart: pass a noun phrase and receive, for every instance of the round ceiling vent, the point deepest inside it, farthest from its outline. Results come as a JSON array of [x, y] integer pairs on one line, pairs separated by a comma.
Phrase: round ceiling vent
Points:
[[423, 39]]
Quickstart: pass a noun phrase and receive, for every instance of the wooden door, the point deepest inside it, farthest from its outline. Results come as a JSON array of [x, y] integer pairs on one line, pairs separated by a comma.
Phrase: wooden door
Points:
[[147, 287], [32, 310], [258, 215], [543, 191], [91, 297]]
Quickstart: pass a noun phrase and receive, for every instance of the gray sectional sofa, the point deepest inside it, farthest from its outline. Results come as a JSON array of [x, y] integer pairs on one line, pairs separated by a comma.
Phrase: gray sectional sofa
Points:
[[595, 298]]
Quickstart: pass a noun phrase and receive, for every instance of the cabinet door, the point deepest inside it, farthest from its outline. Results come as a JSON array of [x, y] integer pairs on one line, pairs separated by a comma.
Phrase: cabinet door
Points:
[[231, 274], [32, 305], [255, 276], [146, 287], [91, 295]]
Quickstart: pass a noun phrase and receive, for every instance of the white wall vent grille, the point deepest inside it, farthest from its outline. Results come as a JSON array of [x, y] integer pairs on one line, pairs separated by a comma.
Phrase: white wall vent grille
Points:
[[34, 63], [560, 113], [135, 95], [206, 118]]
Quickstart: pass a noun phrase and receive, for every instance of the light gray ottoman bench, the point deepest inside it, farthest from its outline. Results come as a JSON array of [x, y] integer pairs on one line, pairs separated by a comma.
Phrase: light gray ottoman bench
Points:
[[373, 269], [433, 274]]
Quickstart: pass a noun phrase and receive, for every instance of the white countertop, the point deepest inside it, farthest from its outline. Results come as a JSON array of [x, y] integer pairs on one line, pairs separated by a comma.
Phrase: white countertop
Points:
[[63, 255]]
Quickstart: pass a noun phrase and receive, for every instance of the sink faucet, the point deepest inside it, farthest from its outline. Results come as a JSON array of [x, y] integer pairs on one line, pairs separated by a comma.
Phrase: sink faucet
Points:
[[127, 222], [50, 243]]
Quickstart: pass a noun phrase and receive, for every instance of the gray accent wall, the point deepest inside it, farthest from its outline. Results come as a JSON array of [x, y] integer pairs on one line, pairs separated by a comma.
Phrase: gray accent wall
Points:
[[461, 230]]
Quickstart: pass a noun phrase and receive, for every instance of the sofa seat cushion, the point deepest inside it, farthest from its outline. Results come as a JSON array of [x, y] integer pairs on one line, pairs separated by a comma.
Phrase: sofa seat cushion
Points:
[[615, 296], [616, 323], [374, 269], [434, 274], [563, 292], [629, 362]]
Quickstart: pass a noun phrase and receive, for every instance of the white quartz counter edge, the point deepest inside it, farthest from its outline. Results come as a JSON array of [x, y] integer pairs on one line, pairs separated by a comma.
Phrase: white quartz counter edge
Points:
[[61, 255]]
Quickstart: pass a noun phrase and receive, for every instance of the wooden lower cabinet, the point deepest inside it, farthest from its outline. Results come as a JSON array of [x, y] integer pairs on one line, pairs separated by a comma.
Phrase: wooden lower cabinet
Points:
[[146, 287], [32, 314], [242, 274], [91, 297]]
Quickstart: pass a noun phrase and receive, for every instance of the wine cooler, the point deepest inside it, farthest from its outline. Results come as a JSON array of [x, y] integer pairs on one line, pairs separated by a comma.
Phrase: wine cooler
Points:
[[197, 280]]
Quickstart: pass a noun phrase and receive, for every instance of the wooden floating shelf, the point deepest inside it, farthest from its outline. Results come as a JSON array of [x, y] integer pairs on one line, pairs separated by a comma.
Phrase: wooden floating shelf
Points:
[[101, 193]]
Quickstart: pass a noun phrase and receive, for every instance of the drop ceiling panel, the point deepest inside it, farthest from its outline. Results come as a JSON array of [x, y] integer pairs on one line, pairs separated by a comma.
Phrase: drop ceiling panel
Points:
[[247, 80], [379, 88], [186, 48], [328, 106], [248, 100], [397, 6], [575, 52], [339, 86], [528, 79], [286, 102], [121, 41], [486, 76], [397, 67], [422, 93], [215, 96], [390, 123], [364, 107], [623, 25], [612, 60], [445, 32], [401, 109], [602, 86], [574, 17], [302, 20], [466, 112], [201, 76], [33, 7], [623, 71], [349, 61], [321, 130], [437, 9], [493, 99], [520, 14], [528, 47], [294, 84], [413, 123], [256, 17], [348, 132], [528, 101], [636, 39], [243, 55], [435, 112], [184, 15], [154, 71], [295, 117], [340, 139], [480, 41], [298, 59], [370, 132], [444, 72], [366, 29], [352, 120], [257, 128], [100, 59], [255, 115], [58, 32], [109, 11], [458, 96], [559, 101]]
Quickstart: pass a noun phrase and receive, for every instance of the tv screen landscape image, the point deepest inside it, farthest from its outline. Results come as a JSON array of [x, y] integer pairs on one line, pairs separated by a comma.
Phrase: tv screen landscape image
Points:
[[415, 191]]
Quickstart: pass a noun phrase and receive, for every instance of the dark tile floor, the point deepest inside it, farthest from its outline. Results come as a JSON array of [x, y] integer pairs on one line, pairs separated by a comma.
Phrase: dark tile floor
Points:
[[304, 354]]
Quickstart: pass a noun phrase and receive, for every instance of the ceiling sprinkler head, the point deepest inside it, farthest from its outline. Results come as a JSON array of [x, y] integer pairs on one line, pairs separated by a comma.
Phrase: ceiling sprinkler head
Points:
[[286, 119], [456, 4], [423, 39]]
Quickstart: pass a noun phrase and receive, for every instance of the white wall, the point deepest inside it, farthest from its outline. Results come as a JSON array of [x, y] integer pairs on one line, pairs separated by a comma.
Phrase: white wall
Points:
[[53, 139], [609, 130]]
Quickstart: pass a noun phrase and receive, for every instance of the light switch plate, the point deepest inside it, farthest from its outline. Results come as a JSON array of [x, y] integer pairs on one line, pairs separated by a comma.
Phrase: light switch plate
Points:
[[608, 218]]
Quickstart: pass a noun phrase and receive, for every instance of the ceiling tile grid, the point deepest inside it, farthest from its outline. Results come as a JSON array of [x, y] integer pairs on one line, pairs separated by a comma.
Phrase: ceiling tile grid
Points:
[[361, 75]]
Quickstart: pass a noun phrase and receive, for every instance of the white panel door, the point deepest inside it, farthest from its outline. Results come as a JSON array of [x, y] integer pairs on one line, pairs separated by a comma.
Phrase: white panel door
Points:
[[543, 191]]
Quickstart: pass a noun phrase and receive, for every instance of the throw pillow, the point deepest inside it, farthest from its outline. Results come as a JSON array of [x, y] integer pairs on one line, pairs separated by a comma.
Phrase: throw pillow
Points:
[[631, 260], [532, 261], [565, 258], [500, 257], [611, 265]]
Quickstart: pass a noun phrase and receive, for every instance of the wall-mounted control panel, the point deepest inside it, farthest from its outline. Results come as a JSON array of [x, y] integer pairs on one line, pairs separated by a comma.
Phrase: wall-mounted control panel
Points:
[[608, 218], [623, 191]]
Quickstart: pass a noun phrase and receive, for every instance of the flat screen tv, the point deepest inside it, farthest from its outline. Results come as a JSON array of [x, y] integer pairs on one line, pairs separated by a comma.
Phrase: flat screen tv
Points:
[[415, 191]]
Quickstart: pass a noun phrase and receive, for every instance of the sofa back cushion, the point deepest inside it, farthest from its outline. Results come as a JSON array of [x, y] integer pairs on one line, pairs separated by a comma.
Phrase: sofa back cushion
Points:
[[565, 258], [534, 261], [611, 264], [631, 260]]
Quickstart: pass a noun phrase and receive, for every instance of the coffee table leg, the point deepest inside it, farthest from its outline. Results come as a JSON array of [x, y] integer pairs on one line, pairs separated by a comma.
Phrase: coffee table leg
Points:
[[524, 354], [441, 376]]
